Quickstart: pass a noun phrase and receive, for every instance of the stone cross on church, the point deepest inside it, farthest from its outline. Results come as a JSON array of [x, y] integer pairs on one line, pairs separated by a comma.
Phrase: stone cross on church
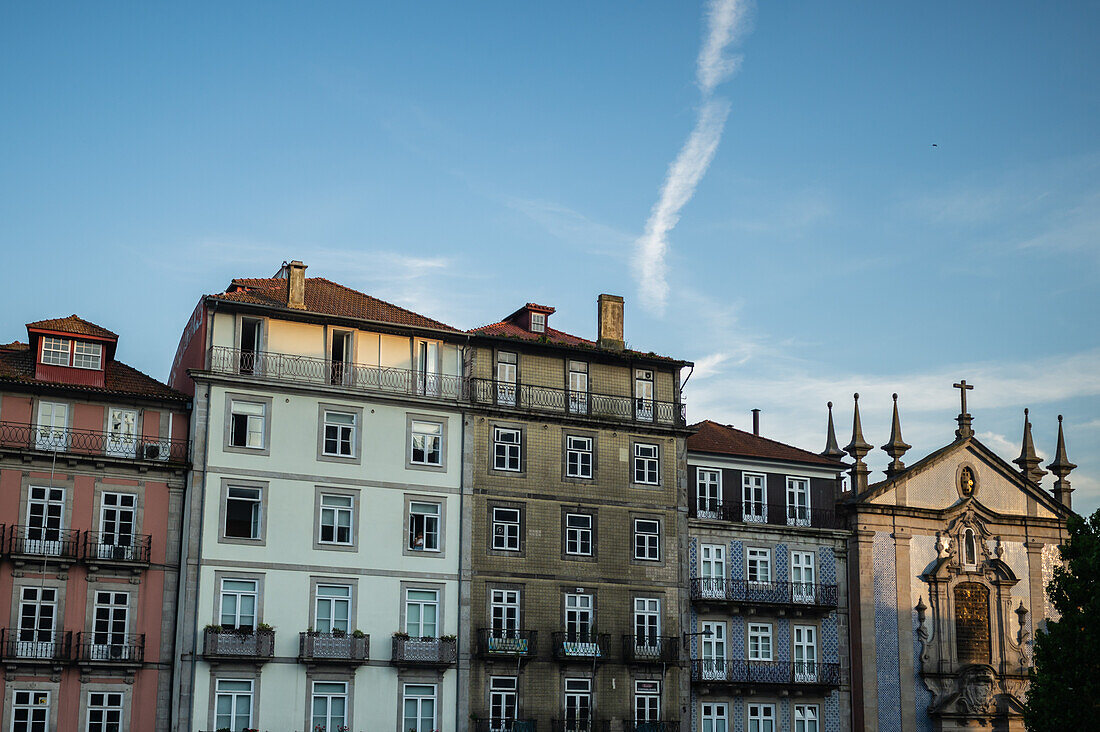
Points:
[[965, 419]]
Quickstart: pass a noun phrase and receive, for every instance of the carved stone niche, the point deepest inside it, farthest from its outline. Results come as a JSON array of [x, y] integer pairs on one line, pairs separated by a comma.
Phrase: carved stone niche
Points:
[[973, 641]]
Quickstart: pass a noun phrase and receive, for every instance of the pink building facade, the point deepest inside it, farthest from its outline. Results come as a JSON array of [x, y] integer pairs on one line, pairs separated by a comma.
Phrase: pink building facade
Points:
[[93, 464]]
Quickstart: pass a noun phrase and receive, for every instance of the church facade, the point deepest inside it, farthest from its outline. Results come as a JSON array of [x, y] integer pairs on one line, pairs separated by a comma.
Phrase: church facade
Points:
[[948, 561]]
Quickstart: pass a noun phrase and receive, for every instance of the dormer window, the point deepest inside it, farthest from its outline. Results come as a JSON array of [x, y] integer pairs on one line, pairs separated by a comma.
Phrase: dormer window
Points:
[[55, 351], [67, 352], [538, 322], [87, 355]]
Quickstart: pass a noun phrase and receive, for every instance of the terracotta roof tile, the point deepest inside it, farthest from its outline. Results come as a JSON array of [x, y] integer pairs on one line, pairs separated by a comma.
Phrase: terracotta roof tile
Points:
[[725, 439], [506, 329], [17, 364], [73, 324], [326, 298]]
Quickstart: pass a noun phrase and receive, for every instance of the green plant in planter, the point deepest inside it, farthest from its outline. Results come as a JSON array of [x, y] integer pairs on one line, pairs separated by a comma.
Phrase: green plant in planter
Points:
[[400, 634], [448, 637], [213, 629], [265, 628], [337, 633], [358, 634]]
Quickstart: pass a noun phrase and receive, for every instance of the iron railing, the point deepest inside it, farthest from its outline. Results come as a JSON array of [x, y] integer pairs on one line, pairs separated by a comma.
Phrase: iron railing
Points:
[[34, 645], [255, 645], [504, 725], [345, 648], [668, 725], [91, 443], [803, 594], [110, 648], [651, 649], [586, 404], [409, 651], [44, 543], [102, 546], [581, 724], [717, 670], [581, 646], [756, 512], [493, 642]]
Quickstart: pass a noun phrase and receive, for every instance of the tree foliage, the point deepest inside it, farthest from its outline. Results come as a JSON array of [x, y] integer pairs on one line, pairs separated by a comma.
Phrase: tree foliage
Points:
[[1065, 683]]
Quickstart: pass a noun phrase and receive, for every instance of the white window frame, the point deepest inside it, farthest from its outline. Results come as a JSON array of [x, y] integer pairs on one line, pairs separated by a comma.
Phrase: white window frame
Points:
[[760, 642], [254, 437], [578, 387], [761, 718], [580, 613], [647, 700], [338, 597], [58, 348], [52, 426], [507, 534], [538, 322], [647, 540], [110, 607], [422, 603], [758, 566], [431, 526], [714, 717], [503, 701], [428, 432], [234, 695], [345, 434], [106, 710], [87, 355], [419, 699], [238, 595], [647, 623], [578, 457], [336, 507], [708, 492], [507, 374], [806, 718], [804, 643], [34, 701], [508, 453], [798, 513], [754, 510], [331, 724], [577, 535], [46, 536], [504, 611], [803, 575], [647, 463], [257, 503]]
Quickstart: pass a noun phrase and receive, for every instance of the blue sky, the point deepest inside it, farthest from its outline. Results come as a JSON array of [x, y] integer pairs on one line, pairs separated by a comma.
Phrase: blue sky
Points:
[[462, 160]]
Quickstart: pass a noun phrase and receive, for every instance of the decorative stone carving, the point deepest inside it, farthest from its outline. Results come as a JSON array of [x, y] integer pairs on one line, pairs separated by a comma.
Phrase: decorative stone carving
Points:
[[976, 685]]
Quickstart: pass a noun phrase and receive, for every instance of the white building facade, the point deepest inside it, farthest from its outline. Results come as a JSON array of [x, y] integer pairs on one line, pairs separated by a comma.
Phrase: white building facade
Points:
[[321, 536]]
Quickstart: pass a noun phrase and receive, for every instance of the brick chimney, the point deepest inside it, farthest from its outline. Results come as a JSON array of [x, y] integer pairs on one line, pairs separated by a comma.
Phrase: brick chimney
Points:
[[609, 321], [296, 287]]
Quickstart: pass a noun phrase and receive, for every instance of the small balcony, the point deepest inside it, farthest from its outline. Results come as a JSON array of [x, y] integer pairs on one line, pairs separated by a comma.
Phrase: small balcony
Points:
[[651, 649], [37, 647], [95, 444], [110, 649], [768, 514], [424, 652], [799, 674], [108, 549], [34, 544], [800, 598], [551, 400], [503, 725], [345, 649], [579, 725], [507, 644], [585, 647], [238, 644], [668, 725]]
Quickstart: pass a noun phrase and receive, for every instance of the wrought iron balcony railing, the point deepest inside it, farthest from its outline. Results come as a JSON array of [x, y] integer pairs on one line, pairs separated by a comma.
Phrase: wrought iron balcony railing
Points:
[[110, 649], [33, 645], [256, 646], [342, 648], [91, 443], [745, 592], [774, 514], [580, 724], [668, 725], [107, 547], [409, 651], [35, 543], [581, 646], [504, 725], [587, 404], [651, 649], [776, 673], [494, 642]]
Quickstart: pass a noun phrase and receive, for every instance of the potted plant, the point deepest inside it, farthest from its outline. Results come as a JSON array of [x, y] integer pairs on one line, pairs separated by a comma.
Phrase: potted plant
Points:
[[265, 628], [337, 633], [358, 634], [448, 638], [400, 634], [211, 628]]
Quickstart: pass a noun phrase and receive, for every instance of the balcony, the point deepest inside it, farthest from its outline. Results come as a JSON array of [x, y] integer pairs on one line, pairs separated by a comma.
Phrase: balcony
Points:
[[504, 725], [651, 649], [550, 400], [800, 598], [507, 644], [91, 444], [767, 514], [670, 725], [111, 549], [110, 649], [231, 644], [23, 646], [585, 647], [424, 652], [579, 725], [37, 545], [798, 674], [339, 648]]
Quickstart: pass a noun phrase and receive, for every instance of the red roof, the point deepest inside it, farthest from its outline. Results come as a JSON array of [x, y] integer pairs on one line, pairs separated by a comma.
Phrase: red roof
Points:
[[73, 324], [508, 329], [326, 298], [725, 439], [17, 365]]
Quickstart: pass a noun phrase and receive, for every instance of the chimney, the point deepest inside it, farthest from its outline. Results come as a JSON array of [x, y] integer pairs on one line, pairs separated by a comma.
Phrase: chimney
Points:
[[609, 322], [296, 287], [756, 422]]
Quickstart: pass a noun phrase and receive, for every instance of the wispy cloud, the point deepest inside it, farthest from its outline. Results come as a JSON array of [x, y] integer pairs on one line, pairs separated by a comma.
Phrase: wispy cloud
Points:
[[725, 22]]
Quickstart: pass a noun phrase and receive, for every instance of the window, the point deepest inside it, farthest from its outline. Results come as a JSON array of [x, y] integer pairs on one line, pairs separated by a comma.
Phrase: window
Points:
[[578, 457], [339, 434], [329, 706], [578, 387], [104, 711], [643, 396], [798, 502], [578, 534], [647, 701], [578, 704], [802, 576], [538, 322], [715, 718], [712, 571], [55, 351], [122, 433], [502, 700], [506, 379], [52, 430], [336, 519], [805, 653], [247, 424], [45, 515], [970, 549], [647, 540], [759, 567], [339, 356], [754, 510], [760, 642], [646, 464], [713, 642], [422, 613], [761, 718], [110, 621], [238, 604], [37, 615], [506, 449], [30, 711], [332, 607], [504, 612], [805, 718], [427, 443], [708, 492], [233, 704], [424, 526], [428, 381], [87, 355], [578, 618], [251, 340], [506, 529], [647, 624], [242, 512], [418, 708]]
